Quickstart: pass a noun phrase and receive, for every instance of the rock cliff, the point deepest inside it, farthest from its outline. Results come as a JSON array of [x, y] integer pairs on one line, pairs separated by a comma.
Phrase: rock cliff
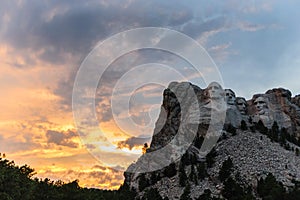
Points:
[[259, 136]]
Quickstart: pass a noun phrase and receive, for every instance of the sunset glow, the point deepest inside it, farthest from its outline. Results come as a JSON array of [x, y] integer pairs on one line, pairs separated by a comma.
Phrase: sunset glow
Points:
[[44, 43]]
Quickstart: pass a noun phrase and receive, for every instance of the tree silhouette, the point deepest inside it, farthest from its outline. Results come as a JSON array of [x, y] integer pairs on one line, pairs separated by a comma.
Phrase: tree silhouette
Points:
[[226, 169], [201, 168], [244, 126], [261, 127], [170, 170], [274, 133], [182, 175], [17, 183], [269, 188], [186, 193], [144, 149], [205, 196], [143, 182], [297, 152], [210, 157], [152, 194]]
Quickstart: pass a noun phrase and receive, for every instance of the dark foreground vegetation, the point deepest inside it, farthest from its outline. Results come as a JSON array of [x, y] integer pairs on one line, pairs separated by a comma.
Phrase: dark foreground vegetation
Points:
[[17, 183]]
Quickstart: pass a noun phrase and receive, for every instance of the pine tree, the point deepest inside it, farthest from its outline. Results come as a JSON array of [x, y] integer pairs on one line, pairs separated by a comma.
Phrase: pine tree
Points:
[[226, 169], [244, 126], [250, 120], [170, 170], [186, 193], [152, 194], [232, 190], [182, 175], [210, 158], [201, 168], [206, 195], [231, 129], [261, 127], [193, 175], [270, 188], [297, 152], [143, 183], [125, 192], [282, 138], [274, 132], [199, 141]]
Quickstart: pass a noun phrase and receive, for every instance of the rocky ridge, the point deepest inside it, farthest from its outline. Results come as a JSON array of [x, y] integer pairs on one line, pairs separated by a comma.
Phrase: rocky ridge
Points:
[[247, 138]]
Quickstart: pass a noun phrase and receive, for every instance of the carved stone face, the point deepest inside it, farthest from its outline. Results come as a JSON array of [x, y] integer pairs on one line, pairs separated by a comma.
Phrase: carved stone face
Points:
[[230, 97], [215, 91], [261, 105], [241, 105]]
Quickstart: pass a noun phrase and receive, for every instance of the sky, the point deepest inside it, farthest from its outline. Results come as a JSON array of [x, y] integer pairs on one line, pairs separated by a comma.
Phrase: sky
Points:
[[43, 43]]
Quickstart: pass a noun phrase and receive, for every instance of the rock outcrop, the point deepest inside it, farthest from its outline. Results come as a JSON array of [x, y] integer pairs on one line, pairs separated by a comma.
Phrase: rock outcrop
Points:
[[191, 116]]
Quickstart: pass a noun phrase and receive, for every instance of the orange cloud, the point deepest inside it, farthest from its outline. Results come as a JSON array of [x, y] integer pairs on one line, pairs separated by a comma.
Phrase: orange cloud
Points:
[[35, 130]]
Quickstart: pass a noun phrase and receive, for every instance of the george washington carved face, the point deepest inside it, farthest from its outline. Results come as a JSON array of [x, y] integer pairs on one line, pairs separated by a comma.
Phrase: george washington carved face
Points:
[[215, 91]]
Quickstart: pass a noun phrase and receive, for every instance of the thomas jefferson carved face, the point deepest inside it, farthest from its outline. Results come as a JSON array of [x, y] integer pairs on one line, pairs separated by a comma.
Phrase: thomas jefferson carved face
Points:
[[230, 97], [241, 105], [215, 90], [261, 105]]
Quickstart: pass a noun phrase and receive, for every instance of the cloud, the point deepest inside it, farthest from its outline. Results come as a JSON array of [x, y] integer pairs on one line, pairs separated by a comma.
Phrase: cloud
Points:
[[132, 142], [58, 32], [247, 26], [54, 30], [254, 8], [13, 145], [62, 138], [220, 47], [96, 177], [221, 52]]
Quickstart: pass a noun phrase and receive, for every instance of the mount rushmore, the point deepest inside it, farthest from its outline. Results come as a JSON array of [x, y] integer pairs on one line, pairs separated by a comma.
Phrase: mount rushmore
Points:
[[276, 105], [190, 111]]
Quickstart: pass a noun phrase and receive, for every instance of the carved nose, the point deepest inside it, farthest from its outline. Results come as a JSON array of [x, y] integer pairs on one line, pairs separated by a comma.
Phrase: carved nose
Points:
[[259, 106]]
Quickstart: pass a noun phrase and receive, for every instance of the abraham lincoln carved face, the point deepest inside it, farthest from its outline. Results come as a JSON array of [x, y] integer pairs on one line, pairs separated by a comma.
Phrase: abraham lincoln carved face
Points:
[[261, 105]]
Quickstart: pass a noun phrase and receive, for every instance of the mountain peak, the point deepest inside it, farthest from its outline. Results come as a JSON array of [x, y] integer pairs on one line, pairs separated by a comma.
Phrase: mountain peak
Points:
[[258, 137]]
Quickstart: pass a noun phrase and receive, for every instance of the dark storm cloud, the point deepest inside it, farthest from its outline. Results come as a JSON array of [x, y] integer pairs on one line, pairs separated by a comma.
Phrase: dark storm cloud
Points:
[[53, 28], [61, 138], [63, 32]]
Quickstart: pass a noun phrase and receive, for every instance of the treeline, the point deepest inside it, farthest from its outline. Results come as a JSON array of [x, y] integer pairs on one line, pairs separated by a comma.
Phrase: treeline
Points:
[[268, 188], [278, 135], [17, 183]]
